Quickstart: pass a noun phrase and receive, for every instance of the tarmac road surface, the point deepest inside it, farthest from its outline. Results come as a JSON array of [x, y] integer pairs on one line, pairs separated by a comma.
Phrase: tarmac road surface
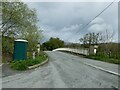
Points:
[[65, 71]]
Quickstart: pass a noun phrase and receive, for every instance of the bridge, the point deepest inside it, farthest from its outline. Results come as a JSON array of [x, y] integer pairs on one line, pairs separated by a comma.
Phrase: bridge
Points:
[[84, 51]]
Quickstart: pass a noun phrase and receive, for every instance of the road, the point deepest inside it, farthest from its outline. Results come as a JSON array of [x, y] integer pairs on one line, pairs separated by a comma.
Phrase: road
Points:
[[64, 71]]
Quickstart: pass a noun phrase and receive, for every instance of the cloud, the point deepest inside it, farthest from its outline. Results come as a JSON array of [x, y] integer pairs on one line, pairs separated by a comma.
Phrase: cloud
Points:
[[99, 25], [71, 28], [64, 19], [98, 20], [97, 28], [64, 33]]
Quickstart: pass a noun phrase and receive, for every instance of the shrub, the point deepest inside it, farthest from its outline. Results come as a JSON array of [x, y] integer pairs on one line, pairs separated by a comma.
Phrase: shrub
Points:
[[29, 62], [24, 64], [19, 65]]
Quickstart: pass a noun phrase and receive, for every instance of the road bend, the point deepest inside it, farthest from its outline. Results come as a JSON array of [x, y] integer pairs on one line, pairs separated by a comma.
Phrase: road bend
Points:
[[65, 71]]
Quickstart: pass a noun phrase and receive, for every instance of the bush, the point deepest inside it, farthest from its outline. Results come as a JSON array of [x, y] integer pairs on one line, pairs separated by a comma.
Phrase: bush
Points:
[[29, 55], [19, 65], [24, 64], [29, 62]]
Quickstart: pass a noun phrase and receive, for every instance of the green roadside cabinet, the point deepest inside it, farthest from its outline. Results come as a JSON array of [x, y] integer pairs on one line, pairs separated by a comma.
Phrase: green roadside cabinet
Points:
[[20, 49]]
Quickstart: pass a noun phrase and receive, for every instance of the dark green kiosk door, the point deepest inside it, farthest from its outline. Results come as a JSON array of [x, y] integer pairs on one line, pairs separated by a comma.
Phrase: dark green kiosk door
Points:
[[20, 50]]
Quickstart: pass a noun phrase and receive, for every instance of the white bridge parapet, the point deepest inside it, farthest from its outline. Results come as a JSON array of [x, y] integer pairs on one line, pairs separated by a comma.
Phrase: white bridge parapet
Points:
[[79, 51]]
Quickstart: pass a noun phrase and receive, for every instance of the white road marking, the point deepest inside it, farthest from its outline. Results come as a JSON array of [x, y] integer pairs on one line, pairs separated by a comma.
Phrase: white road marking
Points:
[[108, 71]]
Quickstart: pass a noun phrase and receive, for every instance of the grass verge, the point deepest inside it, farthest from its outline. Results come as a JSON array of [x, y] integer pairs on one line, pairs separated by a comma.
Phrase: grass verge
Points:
[[95, 57], [103, 58], [24, 64]]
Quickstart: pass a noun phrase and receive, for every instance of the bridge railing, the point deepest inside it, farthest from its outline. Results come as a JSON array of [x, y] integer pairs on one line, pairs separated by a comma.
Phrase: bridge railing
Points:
[[84, 51]]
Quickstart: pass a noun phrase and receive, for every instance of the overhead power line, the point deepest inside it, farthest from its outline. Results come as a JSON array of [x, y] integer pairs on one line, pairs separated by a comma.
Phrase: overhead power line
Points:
[[94, 18]]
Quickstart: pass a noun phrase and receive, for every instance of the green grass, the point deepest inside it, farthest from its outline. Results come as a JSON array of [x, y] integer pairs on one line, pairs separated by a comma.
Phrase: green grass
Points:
[[104, 58], [99, 58], [24, 64]]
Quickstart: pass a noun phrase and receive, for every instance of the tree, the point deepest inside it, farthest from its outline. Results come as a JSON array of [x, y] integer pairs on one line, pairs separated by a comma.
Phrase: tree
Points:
[[106, 43], [53, 43], [33, 36], [90, 39], [16, 18], [19, 22]]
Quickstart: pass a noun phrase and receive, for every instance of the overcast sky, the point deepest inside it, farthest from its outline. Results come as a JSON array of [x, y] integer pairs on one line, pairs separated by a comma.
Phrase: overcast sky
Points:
[[65, 20]]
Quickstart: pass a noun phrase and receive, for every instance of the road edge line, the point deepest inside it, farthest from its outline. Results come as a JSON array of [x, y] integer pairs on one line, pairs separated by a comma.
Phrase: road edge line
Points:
[[108, 71]]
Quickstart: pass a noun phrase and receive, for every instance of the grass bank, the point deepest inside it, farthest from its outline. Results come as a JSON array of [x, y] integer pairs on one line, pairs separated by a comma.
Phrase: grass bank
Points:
[[103, 58], [95, 57], [24, 64]]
